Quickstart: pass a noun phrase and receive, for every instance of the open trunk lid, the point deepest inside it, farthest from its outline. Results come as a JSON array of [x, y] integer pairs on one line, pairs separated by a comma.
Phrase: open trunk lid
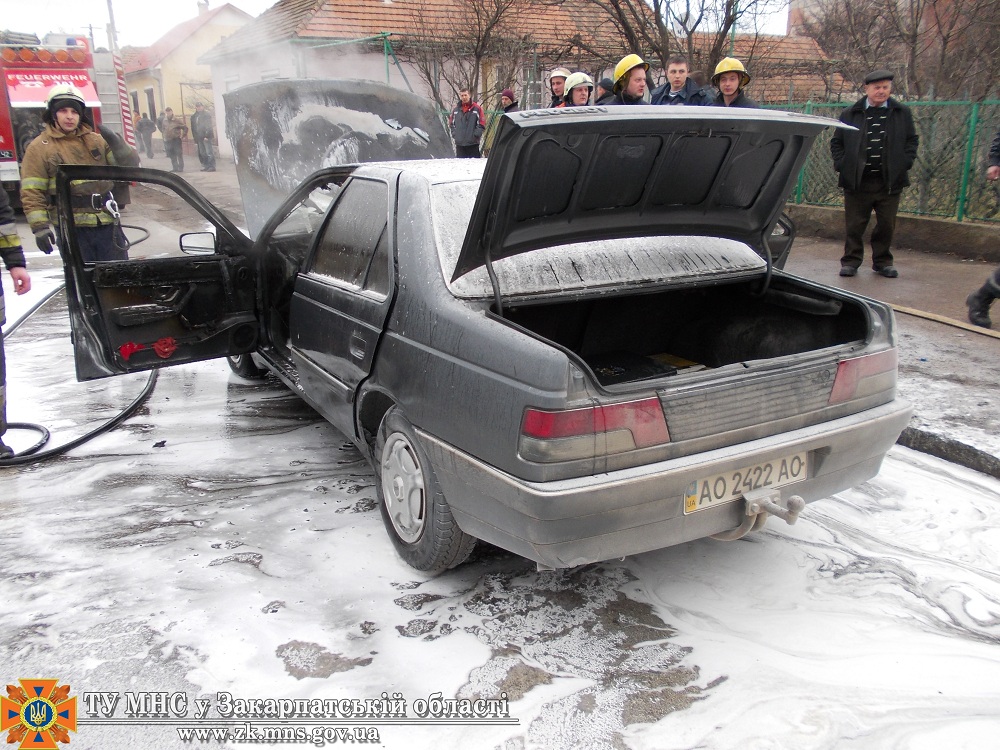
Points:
[[591, 173]]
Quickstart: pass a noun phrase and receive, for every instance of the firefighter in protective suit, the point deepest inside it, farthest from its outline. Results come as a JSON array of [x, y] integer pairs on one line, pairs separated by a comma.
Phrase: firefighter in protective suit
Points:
[[69, 138]]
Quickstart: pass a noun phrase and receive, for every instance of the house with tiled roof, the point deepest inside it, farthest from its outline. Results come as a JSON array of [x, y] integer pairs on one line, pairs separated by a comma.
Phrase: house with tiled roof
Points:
[[167, 73], [789, 69], [378, 40]]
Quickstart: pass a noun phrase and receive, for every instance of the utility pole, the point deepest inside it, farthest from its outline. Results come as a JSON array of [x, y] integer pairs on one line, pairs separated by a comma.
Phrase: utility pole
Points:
[[112, 31]]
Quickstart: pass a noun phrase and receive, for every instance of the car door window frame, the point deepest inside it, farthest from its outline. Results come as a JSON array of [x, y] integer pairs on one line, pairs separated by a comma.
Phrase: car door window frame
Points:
[[379, 251]]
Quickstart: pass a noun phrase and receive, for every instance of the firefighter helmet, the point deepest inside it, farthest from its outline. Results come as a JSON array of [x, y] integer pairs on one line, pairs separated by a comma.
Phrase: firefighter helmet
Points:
[[730, 65], [64, 95], [624, 66], [574, 80]]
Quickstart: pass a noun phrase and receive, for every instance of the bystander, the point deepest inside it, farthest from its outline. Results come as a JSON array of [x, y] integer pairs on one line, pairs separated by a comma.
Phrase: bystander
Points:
[[873, 161], [981, 300]]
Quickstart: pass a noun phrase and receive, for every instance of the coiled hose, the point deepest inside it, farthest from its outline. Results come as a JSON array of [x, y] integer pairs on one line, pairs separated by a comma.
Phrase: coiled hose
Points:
[[32, 454]]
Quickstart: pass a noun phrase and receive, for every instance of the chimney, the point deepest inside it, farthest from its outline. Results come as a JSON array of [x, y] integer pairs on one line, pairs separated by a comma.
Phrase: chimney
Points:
[[202, 6]]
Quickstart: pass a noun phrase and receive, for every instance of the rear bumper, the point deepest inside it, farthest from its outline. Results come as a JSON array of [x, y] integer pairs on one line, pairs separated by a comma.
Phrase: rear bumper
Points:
[[587, 519]]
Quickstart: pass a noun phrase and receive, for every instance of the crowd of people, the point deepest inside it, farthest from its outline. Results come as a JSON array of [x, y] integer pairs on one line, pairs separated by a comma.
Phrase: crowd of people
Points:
[[872, 159]]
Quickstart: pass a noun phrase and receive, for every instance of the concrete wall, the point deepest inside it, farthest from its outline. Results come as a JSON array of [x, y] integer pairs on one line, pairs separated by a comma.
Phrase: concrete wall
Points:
[[963, 239]]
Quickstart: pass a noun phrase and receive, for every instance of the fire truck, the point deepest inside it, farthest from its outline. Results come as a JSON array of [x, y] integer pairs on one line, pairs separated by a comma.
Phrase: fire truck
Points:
[[29, 69]]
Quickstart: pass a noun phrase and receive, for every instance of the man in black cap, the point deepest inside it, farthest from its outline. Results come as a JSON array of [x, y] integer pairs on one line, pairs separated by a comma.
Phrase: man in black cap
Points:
[[605, 91], [873, 162]]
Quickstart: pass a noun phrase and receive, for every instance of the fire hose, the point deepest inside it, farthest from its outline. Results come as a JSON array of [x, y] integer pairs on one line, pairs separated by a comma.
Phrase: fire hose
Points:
[[32, 454]]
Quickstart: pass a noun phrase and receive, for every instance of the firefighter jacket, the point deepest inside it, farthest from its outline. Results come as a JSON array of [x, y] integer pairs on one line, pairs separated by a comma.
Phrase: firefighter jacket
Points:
[[10, 252], [38, 175]]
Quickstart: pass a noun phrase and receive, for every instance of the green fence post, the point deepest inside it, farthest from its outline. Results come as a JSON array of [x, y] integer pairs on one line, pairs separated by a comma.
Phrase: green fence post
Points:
[[967, 167], [799, 183]]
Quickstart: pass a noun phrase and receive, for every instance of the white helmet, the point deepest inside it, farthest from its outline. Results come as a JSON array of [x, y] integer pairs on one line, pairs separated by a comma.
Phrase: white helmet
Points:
[[574, 80]]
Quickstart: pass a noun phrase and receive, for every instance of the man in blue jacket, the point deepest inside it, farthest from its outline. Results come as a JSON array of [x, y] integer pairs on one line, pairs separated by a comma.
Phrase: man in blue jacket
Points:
[[873, 162]]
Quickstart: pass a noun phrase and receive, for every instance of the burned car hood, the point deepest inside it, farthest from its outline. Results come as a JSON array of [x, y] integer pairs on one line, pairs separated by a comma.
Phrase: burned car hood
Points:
[[583, 174], [284, 130]]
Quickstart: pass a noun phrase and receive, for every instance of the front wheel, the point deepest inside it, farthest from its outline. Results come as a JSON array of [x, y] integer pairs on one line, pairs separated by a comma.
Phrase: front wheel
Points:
[[414, 510]]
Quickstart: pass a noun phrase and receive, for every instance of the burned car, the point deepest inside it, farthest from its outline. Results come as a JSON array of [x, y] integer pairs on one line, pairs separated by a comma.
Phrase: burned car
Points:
[[575, 350]]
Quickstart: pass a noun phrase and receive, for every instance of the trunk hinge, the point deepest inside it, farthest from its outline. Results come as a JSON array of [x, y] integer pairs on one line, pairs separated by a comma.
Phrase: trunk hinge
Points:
[[758, 505], [495, 282]]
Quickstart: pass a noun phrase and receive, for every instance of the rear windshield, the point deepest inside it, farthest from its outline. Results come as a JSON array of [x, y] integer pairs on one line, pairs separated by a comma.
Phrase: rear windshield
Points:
[[582, 265]]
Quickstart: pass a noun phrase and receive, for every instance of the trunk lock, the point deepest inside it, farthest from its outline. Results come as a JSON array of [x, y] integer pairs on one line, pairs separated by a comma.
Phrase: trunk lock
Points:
[[759, 504]]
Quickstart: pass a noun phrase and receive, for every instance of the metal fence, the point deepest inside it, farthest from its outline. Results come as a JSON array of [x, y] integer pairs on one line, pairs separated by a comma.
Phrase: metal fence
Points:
[[949, 177]]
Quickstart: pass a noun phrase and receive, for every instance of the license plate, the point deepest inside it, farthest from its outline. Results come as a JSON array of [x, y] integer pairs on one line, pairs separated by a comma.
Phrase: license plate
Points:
[[725, 488]]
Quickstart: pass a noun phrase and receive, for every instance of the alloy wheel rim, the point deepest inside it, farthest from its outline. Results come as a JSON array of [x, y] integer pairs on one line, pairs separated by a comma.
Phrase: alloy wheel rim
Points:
[[403, 487]]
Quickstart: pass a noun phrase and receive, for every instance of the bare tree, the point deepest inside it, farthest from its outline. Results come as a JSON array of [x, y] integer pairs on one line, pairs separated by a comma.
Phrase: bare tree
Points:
[[461, 44], [937, 48], [701, 30]]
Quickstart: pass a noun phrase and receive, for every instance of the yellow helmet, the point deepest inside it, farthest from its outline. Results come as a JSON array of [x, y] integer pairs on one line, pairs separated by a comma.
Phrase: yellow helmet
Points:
[[730, 65], [624, 66]]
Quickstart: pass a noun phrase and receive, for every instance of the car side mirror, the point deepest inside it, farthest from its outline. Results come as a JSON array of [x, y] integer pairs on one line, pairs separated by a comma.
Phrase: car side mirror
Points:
[[198, 243]]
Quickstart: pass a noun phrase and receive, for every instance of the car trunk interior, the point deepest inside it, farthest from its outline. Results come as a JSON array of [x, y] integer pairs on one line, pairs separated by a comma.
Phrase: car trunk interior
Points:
[[643, 336]]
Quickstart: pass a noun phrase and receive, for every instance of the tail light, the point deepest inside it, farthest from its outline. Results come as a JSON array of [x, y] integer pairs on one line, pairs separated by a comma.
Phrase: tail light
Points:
[[601, 429], [864, 376]]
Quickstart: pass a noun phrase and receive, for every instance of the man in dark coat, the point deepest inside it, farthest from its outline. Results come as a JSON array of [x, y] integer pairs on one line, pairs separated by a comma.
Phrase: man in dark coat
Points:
[[203, 134], [873, 162], [605, 91], [13, 258], [145, 128]]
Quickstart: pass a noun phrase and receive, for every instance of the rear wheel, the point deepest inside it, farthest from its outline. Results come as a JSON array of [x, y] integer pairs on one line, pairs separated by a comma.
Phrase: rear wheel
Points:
[[414, 510], [244, 366]]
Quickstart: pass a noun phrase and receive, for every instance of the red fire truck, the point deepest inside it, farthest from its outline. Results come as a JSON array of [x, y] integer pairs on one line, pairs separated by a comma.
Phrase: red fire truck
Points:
[[29, 71]]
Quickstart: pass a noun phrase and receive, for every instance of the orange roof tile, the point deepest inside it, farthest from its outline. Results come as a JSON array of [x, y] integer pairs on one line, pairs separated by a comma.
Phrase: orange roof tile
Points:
[[552, 26]]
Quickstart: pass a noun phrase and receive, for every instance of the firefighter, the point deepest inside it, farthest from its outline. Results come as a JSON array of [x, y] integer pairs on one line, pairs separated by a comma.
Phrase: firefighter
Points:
[[578, 89], [69, 138], [557, 85], [13, 258], [630, 80], [731, 78]]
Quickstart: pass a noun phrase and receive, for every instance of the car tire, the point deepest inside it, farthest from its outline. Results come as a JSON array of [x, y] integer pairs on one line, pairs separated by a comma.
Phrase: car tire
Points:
[[414, 510], [244, 366]]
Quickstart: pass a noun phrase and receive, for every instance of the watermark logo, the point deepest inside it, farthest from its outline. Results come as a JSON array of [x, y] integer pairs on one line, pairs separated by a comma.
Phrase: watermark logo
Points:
[[38, 714]]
